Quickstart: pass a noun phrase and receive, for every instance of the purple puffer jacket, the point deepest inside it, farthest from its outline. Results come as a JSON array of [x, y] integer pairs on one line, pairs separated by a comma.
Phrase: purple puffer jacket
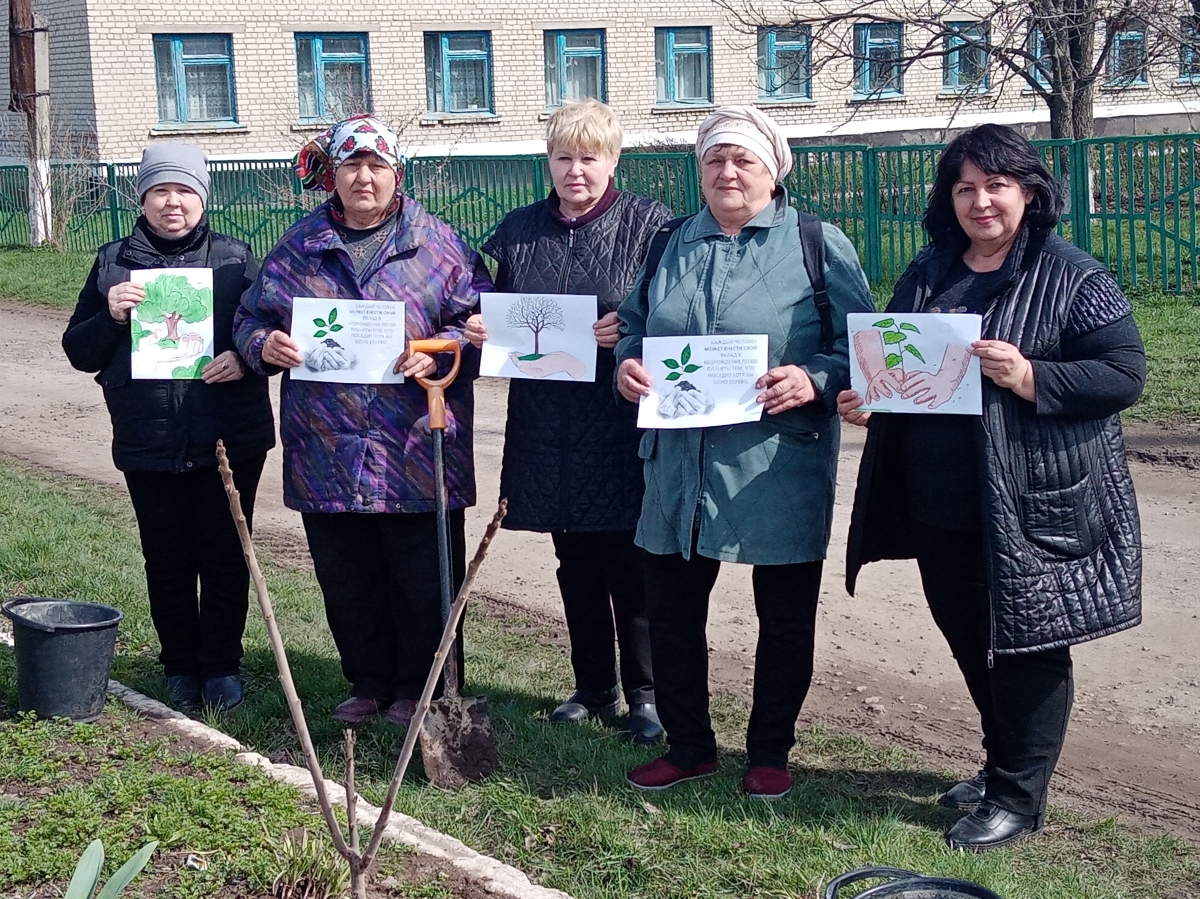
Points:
[[367, 447]]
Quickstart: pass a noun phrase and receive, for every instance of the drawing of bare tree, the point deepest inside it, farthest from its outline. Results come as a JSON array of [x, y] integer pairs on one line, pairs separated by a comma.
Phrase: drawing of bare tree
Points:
[[537, 314]]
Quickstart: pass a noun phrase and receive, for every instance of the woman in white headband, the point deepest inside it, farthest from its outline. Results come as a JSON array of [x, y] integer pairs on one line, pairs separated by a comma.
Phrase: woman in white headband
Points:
[[759, 493]]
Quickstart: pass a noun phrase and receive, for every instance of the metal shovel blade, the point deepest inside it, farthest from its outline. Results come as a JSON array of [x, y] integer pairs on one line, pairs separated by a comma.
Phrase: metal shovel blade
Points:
[[458, 745]]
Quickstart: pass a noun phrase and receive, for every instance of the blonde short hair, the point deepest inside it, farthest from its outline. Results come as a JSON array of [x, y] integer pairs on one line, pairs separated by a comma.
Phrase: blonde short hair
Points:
[[590, 125]]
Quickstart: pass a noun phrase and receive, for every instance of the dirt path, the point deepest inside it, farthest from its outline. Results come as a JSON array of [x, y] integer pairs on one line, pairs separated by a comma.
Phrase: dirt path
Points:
[[882, 669]]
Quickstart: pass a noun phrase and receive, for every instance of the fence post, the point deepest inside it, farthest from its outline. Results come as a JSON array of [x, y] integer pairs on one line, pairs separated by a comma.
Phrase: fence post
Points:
[[1081, 193], [872, 224], [114, 204], [539, 178]]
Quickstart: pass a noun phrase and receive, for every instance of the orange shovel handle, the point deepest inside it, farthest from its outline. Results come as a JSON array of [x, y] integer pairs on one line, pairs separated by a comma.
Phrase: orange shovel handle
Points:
[[435, 390]]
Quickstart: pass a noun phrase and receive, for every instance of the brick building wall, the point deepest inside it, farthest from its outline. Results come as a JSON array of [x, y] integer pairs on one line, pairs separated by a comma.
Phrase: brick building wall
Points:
[[104, 75]]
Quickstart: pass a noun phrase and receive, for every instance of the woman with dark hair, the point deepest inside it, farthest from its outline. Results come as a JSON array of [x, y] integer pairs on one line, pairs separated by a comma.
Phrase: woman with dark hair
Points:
[[1023, 521]]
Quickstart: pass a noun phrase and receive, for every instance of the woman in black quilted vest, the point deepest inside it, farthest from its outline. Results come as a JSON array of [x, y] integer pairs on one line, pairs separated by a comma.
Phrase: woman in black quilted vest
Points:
[[571, 467], [1023, 521], [165, 428]]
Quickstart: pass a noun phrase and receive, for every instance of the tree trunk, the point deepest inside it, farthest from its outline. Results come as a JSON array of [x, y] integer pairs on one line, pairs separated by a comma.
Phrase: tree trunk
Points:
[[1083, 119], [536, 336], [172, 322]]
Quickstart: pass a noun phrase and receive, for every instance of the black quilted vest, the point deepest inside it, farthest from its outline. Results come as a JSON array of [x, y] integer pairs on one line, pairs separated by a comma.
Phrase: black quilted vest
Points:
[[1061, 526], [570, 451]]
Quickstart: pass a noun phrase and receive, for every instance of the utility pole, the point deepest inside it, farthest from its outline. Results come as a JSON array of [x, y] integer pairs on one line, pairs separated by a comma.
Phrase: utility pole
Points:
[[29, 77]]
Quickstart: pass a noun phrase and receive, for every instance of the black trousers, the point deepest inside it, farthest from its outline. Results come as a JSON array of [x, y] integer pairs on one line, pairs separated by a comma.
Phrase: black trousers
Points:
[[785, 598], [1024, 700], [380, 579], [188, 534], [602, 579]]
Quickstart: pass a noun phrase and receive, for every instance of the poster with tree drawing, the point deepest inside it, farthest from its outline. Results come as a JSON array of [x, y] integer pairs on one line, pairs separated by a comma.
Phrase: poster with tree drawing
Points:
[[171, 330], [916, 362], [537, 335]]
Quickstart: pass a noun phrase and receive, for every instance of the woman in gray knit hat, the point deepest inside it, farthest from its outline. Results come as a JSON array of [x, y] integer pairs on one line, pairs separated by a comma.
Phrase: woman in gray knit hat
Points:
[[165, 430]]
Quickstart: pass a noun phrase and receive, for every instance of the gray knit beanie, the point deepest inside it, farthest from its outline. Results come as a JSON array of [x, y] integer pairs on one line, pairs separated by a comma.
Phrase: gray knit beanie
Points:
[[173, 163]]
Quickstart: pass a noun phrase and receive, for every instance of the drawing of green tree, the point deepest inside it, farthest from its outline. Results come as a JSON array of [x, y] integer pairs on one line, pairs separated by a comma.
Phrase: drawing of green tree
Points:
[[172, 299], [683, 365], [896, 336]]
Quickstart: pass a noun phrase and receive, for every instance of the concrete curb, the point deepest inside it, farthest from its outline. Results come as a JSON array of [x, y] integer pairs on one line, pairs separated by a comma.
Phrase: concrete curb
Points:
[[494, 876]]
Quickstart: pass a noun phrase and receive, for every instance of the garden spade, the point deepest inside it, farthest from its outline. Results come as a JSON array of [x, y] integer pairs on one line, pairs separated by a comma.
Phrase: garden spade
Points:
[[458, 744]]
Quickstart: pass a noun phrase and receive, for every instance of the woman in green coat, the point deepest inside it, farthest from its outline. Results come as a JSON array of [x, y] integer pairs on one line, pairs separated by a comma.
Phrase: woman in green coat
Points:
[[758, 493]]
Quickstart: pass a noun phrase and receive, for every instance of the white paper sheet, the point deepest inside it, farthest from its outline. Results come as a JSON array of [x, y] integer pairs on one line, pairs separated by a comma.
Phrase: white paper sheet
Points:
[[918, 362], [544, 336], [700, 382], [171, 330], [348, 341]]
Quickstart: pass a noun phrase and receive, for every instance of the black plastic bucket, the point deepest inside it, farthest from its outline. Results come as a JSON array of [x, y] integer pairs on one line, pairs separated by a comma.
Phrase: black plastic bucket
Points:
[[64, 653]]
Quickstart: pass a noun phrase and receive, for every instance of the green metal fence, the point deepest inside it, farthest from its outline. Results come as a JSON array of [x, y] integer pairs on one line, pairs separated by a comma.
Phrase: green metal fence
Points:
[[1133, 200]]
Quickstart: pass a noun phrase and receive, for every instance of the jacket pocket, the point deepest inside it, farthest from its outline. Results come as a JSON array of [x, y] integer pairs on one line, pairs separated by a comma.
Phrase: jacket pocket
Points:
[[1067, 523], [647, 444]]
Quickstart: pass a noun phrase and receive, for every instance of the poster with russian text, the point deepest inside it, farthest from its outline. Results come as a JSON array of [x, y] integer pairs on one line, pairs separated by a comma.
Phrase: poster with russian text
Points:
[[702, 381], [348, 341]]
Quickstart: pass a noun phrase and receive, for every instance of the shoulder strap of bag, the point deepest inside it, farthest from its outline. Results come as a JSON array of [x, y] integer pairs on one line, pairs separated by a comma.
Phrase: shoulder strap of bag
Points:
[[812, 242], [658, 246]]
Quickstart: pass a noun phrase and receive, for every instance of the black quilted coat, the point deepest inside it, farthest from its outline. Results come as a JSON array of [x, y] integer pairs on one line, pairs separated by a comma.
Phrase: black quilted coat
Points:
[[168, 425], [570, 451], [1061, 527]]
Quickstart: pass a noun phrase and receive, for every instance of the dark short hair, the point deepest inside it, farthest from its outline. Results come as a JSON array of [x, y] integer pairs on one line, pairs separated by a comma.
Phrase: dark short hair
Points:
[[997, 150]]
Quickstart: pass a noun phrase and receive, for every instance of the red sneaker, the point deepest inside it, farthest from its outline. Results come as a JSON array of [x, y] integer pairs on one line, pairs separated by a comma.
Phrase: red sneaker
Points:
[[662, 775], [767, 783]]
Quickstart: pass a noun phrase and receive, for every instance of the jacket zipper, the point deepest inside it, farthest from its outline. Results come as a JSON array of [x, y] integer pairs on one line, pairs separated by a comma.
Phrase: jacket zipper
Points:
[[564, 437]]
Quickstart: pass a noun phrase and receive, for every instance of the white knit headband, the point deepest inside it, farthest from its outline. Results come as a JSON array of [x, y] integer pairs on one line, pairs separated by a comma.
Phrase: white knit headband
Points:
[[754, 141]]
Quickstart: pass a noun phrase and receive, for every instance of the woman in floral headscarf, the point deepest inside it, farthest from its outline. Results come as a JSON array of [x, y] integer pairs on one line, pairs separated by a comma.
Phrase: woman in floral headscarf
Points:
[[366, 448]]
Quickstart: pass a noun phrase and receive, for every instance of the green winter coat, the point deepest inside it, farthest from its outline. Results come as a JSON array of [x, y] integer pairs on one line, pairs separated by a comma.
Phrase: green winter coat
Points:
[[758, 493]]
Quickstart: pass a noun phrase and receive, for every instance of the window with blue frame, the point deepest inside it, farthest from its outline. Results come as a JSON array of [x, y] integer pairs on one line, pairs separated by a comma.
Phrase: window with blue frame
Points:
[[877, 54], [574, 66], [193, 74], [784, 63], [683, 65], [1189, 49], [965, 65], [1042, 69], [458, 72], [332, 77], [1127, 56]]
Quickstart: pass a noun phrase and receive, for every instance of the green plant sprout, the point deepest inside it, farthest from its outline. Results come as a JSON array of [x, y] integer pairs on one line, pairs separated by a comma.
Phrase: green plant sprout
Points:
[[681, 366], [322, 324], [172, 299], [137, 332], [87, 873], [191, 372], [899, 339]]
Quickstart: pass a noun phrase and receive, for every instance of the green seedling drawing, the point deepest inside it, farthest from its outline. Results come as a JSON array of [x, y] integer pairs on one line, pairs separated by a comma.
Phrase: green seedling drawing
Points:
[[325, 327], [681, 366], [191, 372], [172, 299], [897, 336]]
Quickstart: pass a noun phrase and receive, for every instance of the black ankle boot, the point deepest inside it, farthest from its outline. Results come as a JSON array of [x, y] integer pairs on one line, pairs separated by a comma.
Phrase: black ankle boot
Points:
[[990, 827], [585, 704], [966, 795], [643, 725]]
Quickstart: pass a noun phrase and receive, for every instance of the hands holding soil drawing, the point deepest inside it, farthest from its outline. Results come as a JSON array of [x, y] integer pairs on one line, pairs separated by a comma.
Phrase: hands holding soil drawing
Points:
[[281, 350]]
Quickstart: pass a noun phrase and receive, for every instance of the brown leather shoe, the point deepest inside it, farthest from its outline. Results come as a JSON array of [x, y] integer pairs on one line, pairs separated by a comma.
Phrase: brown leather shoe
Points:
[[401, 712], [359, 709]]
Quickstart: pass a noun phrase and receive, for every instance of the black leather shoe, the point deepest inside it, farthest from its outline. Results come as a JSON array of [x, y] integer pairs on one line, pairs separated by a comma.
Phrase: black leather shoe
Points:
[[184, 690], [585, 704], [990, 827], [966, 795], [223, 693], [643, 725]]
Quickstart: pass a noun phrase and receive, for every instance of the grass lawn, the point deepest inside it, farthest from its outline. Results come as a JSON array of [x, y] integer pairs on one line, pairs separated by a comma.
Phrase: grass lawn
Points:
[[559, 808]]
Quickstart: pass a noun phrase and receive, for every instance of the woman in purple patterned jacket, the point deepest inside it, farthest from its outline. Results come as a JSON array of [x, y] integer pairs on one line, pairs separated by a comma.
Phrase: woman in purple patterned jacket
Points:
[[366, 448]]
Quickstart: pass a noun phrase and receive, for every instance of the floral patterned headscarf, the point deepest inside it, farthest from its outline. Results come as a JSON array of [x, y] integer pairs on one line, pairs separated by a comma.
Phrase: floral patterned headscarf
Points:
[[317, 162]]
